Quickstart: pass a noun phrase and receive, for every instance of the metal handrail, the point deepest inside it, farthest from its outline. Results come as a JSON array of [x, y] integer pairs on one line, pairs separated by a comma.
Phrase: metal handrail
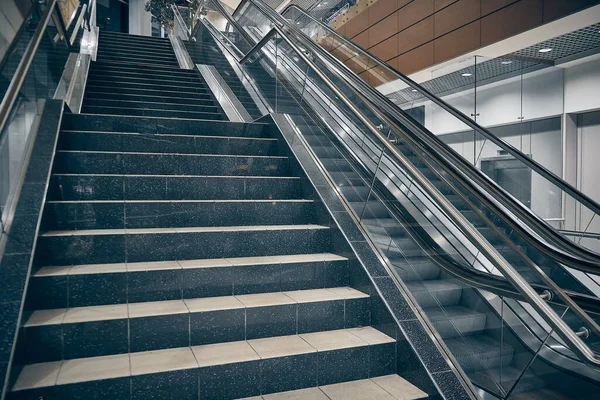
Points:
[[21, 72], [550, 234], [533, 298], [588, 261], [581, 197]]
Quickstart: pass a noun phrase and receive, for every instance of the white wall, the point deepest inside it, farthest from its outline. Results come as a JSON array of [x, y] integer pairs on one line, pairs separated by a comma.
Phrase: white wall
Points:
[[582, 87], [500, 103], [589, 178], [140, 21]]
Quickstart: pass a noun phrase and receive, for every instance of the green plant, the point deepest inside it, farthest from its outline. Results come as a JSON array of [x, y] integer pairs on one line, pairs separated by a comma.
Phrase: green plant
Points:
[[161, 9]]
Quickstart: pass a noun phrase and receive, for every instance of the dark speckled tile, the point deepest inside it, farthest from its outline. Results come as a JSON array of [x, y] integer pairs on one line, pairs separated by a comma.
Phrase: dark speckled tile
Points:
[[155, 246], [358, 312], [217, 326], [113, 389], [42, 343], [289, 373], [81, 249], [180, 385], [97, 338], [450, 385], [67, 187], [154, 285], [159, 332], [335, 273], [13, 273], [230, 381], [97, 289], [207, 282], [47, 292], [343, 365], [298, 276], [394, 298], [257, 278], [382, 359], [270, 321], [320, 316], [423, 345]]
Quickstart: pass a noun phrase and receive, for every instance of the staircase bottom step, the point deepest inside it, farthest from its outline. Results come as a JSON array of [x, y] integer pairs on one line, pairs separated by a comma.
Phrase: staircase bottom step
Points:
[[387, 387], [216, 371]]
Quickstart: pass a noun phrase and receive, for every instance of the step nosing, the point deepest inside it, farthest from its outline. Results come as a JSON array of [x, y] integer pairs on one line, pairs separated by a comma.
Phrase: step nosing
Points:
[[129, 364], [181, 230], [95, 269], [167, 154], [110, 312], [268, 139], [182, 176]]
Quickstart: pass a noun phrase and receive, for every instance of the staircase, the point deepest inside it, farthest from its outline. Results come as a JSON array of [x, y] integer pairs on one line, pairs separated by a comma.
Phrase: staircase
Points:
[[183, 256]]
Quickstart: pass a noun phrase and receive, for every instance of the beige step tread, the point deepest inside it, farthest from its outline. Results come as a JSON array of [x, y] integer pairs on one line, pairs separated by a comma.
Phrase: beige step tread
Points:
[[145, 231], [389, 387], [169, 307], [203, 263], [123, 365]]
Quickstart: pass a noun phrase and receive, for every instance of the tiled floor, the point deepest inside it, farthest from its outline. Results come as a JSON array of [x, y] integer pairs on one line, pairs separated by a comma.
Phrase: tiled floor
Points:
[[390, 387]]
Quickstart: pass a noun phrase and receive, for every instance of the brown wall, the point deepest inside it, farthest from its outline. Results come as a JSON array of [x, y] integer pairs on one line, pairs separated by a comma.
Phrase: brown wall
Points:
[[414, 34]]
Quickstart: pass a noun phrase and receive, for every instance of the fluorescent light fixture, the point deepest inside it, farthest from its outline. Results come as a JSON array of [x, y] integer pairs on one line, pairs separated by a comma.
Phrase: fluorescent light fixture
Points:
[[414, 90], [546, 50], [506, 62], [466, 74]]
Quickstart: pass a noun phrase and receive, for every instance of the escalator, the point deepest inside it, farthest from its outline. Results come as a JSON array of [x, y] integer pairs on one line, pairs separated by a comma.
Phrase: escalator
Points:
[[445, 229]]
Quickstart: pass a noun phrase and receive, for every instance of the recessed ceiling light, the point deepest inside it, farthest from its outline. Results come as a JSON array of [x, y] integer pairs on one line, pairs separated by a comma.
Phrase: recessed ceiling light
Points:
[[506, 62], [414, 90], [466, 74], [546, 50]]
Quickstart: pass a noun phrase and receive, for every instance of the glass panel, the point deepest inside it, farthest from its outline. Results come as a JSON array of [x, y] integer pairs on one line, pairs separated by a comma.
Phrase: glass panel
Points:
[[39, 84]]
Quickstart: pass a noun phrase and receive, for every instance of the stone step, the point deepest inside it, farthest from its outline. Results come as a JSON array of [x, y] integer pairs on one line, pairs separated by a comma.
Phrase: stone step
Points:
[[217, 371]]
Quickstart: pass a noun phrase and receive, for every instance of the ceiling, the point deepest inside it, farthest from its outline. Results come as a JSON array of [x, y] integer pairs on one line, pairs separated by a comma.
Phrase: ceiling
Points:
[[564, 48]]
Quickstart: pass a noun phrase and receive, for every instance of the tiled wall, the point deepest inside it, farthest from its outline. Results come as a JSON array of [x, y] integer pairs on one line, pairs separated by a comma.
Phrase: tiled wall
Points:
[[412, 35]]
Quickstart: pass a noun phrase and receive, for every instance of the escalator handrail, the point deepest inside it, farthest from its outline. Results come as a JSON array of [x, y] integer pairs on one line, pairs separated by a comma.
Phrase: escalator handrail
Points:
[[571, 254], [23, 68], [516, 207], [540, 169], [576, 344]]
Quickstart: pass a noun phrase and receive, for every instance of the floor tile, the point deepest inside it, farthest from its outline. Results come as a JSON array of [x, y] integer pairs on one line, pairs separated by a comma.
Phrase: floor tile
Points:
[[95, 313], [307, 296], [357, 390], [301, 394], [149, 362], [213, 304], [98, 269], [91, 369], [348, 292], [371, 335], [206, 263], [153, 266], [157, 308], [399, 388], [265, 299], [280, 346], [331, 340], [224, 353], [38, 375], [46, 317]]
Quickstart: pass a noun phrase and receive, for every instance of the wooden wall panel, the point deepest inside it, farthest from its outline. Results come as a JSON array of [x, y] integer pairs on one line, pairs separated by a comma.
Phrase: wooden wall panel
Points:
[[383, 29], [415, 60], [415, 36], [509, 21], [362, 40], [458, 42], [386, 49], [456, 15], [439, 4], [489, 6], [357, 24], [413, 13], [381, 9]]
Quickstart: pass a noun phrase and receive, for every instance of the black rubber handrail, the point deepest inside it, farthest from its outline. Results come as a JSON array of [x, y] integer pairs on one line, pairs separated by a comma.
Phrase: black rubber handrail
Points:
[[569, 253], [518, 208]]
